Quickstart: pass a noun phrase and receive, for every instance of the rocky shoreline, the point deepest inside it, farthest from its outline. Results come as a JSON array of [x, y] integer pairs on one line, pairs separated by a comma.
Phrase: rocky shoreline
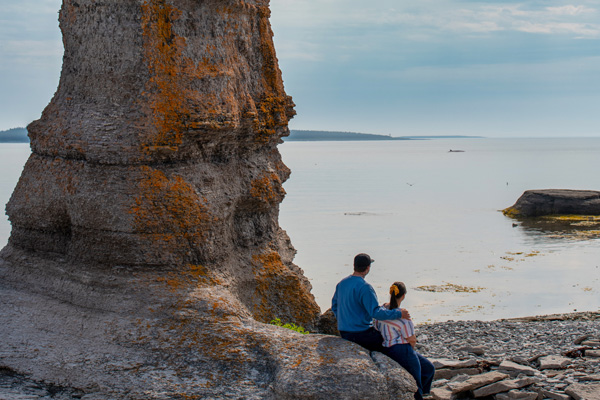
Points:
[[544, 357]]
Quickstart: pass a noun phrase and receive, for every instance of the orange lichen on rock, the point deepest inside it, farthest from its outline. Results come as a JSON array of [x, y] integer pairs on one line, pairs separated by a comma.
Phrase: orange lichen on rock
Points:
[[190, 276], [174, 106], [280, 293], [163, 54], [169, 207], [267, 189], [275, 107]]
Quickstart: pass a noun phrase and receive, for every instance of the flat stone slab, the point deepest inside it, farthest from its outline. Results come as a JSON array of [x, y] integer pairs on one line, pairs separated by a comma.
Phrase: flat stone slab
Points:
[[593, 377], [513, 366], [503, 386], [517, 395], [554, 395], [449, 373], [446, 363], [476, 381], [554, 362], [591, 343], [584, 391], [442, 393], [592, 353]]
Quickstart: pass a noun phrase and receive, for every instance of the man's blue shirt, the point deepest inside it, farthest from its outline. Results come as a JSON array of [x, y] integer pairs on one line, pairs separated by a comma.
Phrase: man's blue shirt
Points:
[[355, 305]]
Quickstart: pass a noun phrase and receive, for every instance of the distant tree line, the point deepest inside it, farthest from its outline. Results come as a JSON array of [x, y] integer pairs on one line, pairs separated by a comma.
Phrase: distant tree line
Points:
[[14, 135], [300, 135]]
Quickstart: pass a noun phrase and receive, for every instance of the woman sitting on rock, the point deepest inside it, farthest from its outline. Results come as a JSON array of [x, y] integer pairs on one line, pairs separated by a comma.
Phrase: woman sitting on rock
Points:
[[399, 340]]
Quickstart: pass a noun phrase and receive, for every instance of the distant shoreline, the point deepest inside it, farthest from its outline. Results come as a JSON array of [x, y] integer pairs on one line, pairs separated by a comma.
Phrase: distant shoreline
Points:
[[14, 135], [332, 136], [19, 135]]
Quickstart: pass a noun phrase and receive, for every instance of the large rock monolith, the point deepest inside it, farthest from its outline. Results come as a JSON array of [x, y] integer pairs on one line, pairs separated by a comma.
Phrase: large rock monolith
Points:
[[146, 259]]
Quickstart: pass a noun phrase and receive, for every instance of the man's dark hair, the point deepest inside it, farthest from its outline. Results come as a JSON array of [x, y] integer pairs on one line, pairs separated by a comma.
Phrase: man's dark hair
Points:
[[362, 261]]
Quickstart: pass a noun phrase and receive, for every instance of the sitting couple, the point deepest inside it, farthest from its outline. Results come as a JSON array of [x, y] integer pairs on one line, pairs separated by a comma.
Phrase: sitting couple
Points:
[[387, 329]]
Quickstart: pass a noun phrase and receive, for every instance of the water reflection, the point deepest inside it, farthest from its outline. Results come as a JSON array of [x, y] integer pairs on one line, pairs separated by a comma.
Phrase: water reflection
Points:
[[553, 228]]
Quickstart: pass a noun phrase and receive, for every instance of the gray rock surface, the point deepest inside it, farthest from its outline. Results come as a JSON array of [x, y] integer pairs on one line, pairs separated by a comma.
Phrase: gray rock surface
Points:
[[535, 203]]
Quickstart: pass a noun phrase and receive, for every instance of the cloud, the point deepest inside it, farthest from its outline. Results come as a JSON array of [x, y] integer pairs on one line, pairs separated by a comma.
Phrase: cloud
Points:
[[437, 18], [582, 30], [570, 10]]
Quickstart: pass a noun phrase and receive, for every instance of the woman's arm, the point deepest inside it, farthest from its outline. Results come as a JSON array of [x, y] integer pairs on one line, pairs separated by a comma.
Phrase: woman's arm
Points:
[[412, 340]]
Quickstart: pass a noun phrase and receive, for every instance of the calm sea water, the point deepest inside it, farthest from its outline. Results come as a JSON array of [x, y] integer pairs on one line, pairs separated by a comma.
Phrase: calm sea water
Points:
[[430, 218]]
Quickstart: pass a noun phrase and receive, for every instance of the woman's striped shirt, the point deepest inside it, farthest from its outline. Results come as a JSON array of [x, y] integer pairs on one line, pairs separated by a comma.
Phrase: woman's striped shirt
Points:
[[395, 331]]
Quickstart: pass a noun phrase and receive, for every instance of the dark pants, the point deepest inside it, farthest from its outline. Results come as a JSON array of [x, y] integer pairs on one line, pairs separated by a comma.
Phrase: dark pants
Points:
[[418, 366], [370, 339]]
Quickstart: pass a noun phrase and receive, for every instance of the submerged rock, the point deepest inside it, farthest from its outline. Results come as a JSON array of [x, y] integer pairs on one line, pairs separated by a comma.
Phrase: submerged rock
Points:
[[535, 203], [146, 259]]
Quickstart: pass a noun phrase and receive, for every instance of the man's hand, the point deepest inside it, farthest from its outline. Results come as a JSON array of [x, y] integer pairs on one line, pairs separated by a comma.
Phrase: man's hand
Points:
[[405, 313]]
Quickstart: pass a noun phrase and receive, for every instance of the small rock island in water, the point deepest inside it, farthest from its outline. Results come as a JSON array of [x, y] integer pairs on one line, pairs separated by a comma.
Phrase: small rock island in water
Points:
[[535, 203]]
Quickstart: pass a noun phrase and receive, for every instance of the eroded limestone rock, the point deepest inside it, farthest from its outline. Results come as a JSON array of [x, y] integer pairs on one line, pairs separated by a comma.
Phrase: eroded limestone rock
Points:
[[145, 256]]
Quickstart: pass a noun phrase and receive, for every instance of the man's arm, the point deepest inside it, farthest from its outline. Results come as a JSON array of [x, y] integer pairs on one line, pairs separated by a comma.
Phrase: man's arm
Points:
[[369, 300], [334, 303]]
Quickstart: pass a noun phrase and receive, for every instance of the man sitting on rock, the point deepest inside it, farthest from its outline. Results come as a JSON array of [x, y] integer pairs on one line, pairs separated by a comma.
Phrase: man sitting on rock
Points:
[[355, 305]]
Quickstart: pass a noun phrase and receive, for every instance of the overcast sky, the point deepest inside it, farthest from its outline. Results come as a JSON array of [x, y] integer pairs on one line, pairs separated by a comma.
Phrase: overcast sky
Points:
[[399, 67]]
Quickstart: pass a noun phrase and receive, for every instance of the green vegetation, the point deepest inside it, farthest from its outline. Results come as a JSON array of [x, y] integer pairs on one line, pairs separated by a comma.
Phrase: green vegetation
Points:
[[294, 327]]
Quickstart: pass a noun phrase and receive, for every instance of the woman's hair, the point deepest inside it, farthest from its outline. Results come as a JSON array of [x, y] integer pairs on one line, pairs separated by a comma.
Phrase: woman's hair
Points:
[[396, 290]]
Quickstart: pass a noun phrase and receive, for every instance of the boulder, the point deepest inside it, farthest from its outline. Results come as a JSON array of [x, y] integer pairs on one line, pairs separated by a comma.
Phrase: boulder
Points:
[[535, 203]]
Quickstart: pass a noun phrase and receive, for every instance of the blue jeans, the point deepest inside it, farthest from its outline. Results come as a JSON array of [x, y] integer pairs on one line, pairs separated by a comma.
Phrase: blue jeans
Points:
[[370, 339], [418, 366]]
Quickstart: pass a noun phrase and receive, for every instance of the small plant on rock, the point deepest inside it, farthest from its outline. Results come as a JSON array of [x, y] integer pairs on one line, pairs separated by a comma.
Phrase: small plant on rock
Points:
[[292, 326]]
